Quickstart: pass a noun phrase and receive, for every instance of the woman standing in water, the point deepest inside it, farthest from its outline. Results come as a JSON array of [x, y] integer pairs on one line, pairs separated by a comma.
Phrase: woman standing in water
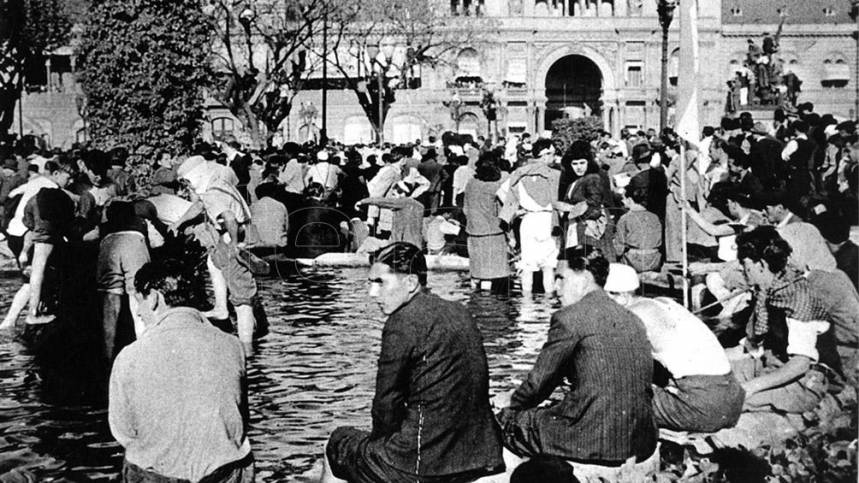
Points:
[[585, 196], [487, 244]]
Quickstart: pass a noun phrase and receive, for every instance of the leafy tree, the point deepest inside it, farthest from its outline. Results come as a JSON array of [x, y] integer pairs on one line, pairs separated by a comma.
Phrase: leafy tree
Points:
[[146, 65], [261, 57], [565, 130], [28, 28]]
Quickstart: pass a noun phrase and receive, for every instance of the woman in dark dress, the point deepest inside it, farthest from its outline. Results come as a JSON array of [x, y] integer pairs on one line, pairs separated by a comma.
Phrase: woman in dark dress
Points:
[[584, 203]]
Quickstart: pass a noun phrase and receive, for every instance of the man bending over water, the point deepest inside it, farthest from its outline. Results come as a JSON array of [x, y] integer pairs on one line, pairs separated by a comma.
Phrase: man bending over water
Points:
[[431, 415], [703, 394]]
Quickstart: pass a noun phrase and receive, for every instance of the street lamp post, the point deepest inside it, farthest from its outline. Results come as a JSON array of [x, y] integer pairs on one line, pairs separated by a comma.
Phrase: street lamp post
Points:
[[21, 110], [665, 10], [323, 134], [854, 12], [489, 106]]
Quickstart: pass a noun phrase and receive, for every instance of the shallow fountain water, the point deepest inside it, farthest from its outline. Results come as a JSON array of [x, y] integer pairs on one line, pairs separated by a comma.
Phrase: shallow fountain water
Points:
[[313, 372]]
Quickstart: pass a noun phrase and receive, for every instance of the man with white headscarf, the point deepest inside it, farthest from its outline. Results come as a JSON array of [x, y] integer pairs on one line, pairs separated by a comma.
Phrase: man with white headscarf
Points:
[[702, 394], [226, 214], [530, 192]]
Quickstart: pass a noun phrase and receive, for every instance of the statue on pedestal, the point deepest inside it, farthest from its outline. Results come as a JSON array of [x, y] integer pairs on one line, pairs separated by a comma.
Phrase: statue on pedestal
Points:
[[762, 80]]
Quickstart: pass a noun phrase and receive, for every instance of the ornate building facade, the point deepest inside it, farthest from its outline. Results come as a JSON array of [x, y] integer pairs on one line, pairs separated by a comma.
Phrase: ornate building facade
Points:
[[550, 58]]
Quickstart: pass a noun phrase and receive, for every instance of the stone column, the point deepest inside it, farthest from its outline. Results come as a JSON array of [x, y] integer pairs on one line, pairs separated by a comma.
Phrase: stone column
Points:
[[540, 121], [620, 8]]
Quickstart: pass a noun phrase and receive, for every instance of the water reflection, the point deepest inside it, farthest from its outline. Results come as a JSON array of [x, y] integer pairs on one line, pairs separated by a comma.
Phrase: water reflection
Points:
[[313, 372]]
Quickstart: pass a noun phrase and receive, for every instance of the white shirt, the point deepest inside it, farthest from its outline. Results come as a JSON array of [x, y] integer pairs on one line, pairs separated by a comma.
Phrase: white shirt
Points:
[[223, 173], [680, 341], [461, 177], [27, 191], [323, 173], [170, 207], [704, 154], [791, 147]]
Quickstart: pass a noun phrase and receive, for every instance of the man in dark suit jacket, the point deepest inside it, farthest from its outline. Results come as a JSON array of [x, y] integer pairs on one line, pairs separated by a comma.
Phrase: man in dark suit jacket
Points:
[[603, 350], [741, 167], [431, 415], [765, 159]]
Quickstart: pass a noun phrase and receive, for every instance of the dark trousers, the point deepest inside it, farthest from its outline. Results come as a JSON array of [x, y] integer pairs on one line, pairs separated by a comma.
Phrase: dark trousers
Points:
[[699, 403]]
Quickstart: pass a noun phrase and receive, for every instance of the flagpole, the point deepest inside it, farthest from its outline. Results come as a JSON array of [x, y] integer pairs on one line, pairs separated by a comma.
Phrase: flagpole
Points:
[[683, 235], [688, 113]]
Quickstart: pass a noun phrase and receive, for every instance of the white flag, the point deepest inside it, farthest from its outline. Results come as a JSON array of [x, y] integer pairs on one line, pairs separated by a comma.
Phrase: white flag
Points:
[[688, 124]]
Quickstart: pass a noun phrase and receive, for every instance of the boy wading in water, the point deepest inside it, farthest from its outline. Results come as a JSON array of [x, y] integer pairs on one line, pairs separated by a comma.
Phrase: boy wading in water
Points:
[[226, 215]]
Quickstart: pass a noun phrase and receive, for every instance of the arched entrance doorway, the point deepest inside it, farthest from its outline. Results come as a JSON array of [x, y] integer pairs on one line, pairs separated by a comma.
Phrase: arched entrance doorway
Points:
[[574, 86]]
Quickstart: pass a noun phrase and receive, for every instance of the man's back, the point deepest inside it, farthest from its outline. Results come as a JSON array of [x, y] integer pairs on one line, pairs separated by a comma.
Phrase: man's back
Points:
[[603, 350], [837, 296], [315, 229], [432, 391], [810, 251], [681, 341], [271, 219], [176, 397], [847, 259]]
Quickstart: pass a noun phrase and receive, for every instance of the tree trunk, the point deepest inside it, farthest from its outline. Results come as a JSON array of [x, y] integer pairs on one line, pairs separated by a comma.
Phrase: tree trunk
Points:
[[8, 100], [252, 124]]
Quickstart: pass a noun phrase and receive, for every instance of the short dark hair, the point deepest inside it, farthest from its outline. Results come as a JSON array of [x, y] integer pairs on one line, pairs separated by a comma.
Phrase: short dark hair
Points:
[[267, 190], [403, 258], [637, 193], [832, 226], [746, 200], [591, 260], [401, 152], [800, 126], [719, 196], [486, 170], [61, 164], [539, 145], [764, 243], [169, 277], [545, 469], [738, 155], [314, 190]]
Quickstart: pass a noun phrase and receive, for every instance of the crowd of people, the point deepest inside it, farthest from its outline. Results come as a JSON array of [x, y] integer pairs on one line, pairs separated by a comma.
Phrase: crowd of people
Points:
[[769, 209]]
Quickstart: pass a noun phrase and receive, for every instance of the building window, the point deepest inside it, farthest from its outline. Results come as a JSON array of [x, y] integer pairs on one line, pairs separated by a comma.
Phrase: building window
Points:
[[674, 67], [80, 136], [828, 12], [836, 73], [634, 74], [736, 11], [589, 8], [471, 8], [635, 115], [222, 128]]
